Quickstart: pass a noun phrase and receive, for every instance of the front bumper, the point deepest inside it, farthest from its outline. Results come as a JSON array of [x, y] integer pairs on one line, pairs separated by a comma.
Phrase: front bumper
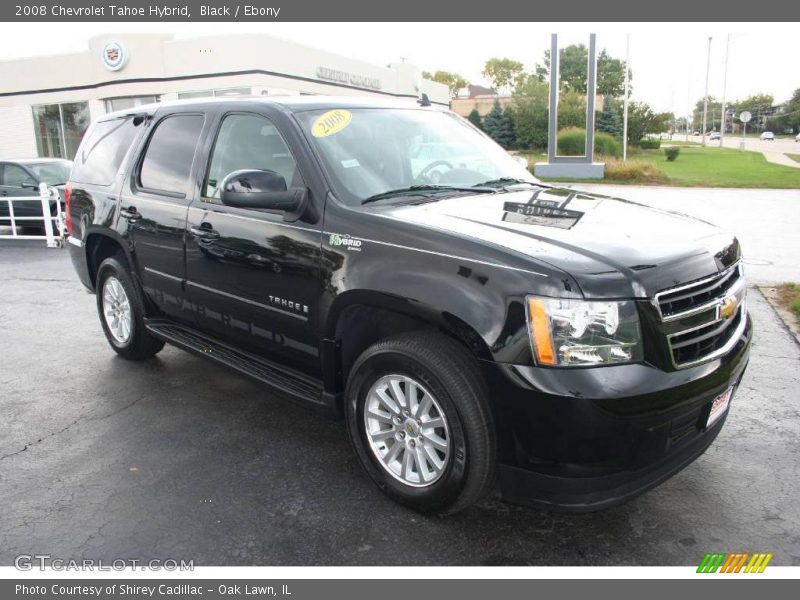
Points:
[[579, 440]]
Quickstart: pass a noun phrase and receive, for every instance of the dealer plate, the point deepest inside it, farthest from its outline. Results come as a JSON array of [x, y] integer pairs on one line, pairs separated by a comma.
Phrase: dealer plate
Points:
[[719, 406]]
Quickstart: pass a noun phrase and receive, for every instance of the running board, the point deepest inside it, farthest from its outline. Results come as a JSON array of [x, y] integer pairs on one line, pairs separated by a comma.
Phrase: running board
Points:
[[293, 383]]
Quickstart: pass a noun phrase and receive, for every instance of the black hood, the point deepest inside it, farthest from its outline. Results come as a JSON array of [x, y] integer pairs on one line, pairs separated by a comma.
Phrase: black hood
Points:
[[611, 247]]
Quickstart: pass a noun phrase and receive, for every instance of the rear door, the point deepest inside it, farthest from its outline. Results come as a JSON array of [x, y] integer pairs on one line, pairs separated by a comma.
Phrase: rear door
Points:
[[154, 202], [253, 275]]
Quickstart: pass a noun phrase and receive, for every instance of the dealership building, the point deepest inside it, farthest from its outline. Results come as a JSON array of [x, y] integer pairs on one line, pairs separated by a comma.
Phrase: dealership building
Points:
[[47, 102]]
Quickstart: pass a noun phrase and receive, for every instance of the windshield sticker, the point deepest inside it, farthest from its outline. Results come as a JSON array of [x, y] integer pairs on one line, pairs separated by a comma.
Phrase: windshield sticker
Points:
[[331, 122], [350, 163]]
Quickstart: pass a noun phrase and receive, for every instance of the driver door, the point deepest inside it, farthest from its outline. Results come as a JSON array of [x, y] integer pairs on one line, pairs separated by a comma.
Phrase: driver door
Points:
[[254, 278]]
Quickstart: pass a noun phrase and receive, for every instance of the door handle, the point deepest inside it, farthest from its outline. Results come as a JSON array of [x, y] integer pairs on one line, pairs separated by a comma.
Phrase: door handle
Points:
[[130, 213], [204, 231]]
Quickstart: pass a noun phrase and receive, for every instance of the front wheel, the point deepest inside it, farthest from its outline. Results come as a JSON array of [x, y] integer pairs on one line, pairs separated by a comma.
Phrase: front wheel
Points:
[[420, 423], [121, 312]]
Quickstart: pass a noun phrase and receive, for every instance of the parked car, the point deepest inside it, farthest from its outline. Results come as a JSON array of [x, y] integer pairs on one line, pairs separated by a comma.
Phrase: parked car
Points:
[[767, 136], [579, 348], [714, 135], [19, 178]]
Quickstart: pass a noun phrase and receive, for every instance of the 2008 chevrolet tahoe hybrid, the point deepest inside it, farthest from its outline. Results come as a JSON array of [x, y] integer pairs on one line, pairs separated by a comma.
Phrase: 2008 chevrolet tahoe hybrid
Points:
[[390, 262]]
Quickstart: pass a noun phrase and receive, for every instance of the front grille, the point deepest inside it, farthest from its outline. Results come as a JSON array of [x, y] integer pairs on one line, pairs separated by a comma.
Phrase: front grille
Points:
[[703, 319], [695, 297], [694, 345]]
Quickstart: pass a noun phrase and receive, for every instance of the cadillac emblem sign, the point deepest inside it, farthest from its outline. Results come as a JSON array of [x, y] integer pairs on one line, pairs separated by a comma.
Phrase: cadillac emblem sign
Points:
[[114, 56]]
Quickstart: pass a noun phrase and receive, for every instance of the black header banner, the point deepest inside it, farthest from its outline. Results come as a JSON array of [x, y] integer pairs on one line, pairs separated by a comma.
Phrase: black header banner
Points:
[[408, 10]]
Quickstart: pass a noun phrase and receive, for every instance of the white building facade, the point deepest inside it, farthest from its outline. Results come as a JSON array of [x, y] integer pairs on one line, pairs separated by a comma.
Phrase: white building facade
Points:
[[46, 103]]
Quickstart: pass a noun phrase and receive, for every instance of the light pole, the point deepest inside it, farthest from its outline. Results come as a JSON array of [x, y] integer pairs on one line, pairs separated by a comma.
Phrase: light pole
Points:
[[724, 90], [705, 97], [625, 100]]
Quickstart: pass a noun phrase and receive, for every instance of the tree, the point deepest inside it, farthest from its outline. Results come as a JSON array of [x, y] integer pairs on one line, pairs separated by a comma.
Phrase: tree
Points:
[[531, 108], [760, 106], [474, 117], [503, 73], [571, 109], [788, 116], [453, 81], [573, 61], [609, 120], [642, 120], [713, 116], [499, 126]]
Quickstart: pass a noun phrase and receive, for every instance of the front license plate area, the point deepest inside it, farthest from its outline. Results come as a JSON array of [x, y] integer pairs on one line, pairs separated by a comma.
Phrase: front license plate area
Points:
[[719, 406]]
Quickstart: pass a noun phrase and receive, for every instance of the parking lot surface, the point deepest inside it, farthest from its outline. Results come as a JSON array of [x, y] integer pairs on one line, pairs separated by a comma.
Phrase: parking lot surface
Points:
[[178, 458]]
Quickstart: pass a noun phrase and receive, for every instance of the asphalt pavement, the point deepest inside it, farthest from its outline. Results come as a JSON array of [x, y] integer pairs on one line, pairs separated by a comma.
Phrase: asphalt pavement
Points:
[[176, 457]]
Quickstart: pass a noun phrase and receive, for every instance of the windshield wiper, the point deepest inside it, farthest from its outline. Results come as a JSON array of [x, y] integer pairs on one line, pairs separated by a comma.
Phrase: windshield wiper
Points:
[[501, 182], [425, 189]]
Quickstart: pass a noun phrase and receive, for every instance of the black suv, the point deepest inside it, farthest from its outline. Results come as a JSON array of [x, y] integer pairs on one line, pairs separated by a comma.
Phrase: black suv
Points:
[[389, 262]]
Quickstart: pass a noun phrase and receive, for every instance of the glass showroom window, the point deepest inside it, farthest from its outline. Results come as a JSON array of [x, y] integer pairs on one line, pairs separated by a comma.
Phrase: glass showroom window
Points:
[[128, 102], [59, 128]]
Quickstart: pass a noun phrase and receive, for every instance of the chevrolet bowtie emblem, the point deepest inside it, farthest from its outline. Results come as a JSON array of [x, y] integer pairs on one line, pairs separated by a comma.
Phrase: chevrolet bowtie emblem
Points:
[[728, 307]]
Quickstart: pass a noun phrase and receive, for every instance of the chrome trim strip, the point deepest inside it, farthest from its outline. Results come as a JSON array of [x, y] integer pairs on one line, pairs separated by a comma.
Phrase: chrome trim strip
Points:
[[74, 241], [719, 351], [473, 260], [719, 275], [247, 300], [160, 274]]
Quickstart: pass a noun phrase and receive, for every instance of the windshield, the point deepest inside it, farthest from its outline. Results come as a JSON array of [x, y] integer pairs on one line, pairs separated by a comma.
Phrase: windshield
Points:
[[52, 173], [369, 152]]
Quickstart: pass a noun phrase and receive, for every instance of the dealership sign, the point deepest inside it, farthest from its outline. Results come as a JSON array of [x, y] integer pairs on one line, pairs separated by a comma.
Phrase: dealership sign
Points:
[[346, 78], [114, 56]]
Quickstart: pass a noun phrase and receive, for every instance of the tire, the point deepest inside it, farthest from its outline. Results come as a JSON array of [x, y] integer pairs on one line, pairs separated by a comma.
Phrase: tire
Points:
[[114, 282], [441, 368]]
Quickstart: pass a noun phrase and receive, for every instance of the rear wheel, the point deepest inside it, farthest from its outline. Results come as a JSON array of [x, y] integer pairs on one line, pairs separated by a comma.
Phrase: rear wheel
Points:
[[121, 312], [419, 421]]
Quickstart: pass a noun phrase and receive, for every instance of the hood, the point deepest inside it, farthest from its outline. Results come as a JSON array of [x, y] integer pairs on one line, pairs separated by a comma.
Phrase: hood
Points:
[[611, 247]]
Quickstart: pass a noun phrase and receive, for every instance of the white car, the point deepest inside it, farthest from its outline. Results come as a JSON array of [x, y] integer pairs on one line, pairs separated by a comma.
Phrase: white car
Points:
[[767, 136]]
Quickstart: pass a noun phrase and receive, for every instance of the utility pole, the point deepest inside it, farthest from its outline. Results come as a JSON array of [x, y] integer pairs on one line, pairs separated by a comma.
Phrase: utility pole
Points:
[[724, 90], [705, 98], [625, 101]]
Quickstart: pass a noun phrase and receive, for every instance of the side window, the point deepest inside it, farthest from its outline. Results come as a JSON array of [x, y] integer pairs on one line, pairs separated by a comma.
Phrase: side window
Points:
[[15, 176], [249, 142], [102, 152], [168, 158]]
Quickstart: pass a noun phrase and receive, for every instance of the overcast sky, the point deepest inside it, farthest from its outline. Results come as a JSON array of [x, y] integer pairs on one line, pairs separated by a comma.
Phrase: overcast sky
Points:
[[668, 60]]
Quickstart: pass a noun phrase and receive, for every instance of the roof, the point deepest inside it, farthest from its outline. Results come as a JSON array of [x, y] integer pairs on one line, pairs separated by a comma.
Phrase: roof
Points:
[[292, 103]]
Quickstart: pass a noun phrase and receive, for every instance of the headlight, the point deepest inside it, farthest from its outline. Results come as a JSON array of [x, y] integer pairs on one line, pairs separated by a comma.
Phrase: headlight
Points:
[[568, 333]]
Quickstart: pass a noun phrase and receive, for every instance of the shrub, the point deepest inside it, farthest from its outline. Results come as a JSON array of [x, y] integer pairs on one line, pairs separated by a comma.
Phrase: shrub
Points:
[[634, 171], [672, 152], [572, 142], [650, 144]]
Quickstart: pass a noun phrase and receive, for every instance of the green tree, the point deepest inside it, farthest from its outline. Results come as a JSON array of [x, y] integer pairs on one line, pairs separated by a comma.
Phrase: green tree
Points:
[[788, 116], [474, 117], [503, 73], [713, 116], [760, 106], [609, 119], [573, 61], [499, 126], [453, 81], [531, 108], [571, 109]]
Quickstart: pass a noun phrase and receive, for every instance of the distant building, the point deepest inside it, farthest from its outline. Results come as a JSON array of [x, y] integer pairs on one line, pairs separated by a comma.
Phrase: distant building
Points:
[[47, 102]]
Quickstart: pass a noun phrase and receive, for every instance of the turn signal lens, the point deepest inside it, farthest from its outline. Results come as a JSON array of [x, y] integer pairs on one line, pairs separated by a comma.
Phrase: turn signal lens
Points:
[[540, 332]]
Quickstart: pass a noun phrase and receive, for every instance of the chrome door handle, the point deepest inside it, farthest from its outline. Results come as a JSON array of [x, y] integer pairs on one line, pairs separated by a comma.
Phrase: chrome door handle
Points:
[[206, 233], [130, 213]]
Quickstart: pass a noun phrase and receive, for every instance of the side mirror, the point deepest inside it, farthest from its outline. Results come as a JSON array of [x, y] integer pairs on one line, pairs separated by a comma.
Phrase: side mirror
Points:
[[29, 184], [262, 189]]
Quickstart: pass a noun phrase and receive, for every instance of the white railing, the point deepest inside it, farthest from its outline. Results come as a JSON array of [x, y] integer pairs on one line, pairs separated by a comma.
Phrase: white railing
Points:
[[54, 226]]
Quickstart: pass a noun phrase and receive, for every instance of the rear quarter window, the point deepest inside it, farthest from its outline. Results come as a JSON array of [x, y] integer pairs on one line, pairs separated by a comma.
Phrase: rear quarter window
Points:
[[103, 150]]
